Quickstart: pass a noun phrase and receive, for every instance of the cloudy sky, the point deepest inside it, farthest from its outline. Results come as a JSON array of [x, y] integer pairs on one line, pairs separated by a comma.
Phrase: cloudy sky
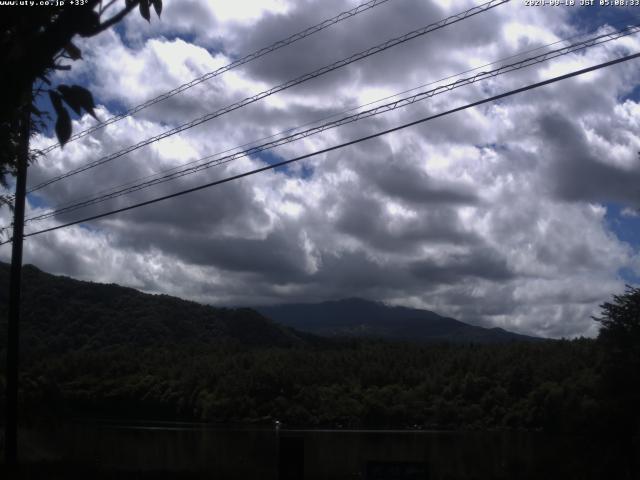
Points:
[[520, 213]]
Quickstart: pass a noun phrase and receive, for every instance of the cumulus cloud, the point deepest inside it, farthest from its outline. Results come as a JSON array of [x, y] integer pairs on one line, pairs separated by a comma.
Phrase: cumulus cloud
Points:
[[495, 215]]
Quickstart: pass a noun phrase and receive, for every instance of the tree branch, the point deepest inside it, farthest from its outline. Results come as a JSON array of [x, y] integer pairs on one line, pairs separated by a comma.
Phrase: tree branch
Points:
[[116, 18], [106, 7]]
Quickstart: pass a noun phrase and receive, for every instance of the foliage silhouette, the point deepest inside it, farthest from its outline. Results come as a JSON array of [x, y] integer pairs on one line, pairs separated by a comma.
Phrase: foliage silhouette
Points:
[[34, 43], [619, 339]]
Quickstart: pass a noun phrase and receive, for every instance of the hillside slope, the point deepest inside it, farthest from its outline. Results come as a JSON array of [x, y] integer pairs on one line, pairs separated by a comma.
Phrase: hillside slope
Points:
[[61, 314]]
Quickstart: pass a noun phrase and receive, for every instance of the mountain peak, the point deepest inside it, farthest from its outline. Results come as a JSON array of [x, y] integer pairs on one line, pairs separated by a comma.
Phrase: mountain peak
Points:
[[355, 300], [358, 317]]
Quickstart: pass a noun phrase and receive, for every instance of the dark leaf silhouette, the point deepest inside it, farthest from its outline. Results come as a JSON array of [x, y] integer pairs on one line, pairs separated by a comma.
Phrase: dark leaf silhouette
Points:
[[56, 101], [70, 98], [157, 6], [73, 51], [63, 126], [36, 46], [144, 10], [78, 98]]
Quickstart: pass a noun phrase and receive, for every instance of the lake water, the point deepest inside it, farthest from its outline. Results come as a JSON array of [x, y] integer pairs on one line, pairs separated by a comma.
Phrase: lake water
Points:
[[236, 453]]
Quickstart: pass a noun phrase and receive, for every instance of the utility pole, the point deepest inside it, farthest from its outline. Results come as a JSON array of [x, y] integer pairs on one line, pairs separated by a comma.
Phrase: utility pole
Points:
[[15, 283]]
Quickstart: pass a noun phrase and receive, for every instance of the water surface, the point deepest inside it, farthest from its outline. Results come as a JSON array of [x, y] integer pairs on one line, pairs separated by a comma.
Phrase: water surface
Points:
[[246, 453]]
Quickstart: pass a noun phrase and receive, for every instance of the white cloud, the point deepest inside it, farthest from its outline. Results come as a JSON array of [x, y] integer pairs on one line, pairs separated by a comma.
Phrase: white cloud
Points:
[[628, 212]]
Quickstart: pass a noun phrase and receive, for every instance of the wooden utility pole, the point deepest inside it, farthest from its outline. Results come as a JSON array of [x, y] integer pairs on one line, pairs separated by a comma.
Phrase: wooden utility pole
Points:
[[15, 283]]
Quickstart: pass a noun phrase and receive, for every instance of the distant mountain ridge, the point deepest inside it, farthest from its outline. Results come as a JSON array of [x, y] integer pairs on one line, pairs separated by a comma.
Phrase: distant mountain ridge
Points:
[[63, 314], [356, 317]]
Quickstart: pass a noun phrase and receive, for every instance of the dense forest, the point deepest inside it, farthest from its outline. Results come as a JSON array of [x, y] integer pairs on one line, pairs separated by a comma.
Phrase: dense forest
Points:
[[108, 351], [553, 386]]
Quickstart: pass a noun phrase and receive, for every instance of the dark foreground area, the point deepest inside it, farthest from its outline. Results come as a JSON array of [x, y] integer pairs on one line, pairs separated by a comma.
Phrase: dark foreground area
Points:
[[194, 451], [69, 470]]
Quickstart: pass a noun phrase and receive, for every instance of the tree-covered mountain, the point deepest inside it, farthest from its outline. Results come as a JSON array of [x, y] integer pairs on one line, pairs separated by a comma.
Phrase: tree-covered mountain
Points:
[[356, 317], [60, 314]]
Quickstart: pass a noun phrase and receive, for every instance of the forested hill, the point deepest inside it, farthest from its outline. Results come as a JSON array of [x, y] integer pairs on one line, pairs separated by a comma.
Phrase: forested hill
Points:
[[361, 318], [60, 313]]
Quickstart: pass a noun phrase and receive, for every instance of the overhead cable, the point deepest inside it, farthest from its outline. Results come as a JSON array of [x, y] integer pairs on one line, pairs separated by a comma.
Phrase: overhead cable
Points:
[[289, 130], [337, 114], [291, 83], [209, 75], [205, 163], [336, 147]]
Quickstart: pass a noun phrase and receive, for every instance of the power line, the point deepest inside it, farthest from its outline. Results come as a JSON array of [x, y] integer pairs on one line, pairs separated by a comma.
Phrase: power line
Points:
[[342, 145], [291, 83], [115, 188], [291, 129], [209, 75], [600, 39]]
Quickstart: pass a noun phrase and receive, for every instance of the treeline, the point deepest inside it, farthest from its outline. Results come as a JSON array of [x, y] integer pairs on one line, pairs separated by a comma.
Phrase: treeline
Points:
[[552, 386]]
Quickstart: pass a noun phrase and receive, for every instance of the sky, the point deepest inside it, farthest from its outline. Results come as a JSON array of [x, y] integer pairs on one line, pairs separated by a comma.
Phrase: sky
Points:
[[521, 213]]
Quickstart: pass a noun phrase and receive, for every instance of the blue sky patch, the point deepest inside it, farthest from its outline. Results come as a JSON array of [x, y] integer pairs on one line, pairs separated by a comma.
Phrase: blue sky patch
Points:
[[301, 169], [629, 276], [44, 105], [589, 18], [625, 227], [37, 201], [633, 95], [271, 159]]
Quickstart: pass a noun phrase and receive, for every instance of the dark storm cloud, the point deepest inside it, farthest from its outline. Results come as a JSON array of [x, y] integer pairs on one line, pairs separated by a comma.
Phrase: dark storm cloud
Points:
[[465, 298], [54, 256], [483, 263], [409, 183], [572, 258], [228, 206], [278, 256], [576, 173], [353, 271], [410, 60], [196, 227], [365, 218], [358, 272]]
